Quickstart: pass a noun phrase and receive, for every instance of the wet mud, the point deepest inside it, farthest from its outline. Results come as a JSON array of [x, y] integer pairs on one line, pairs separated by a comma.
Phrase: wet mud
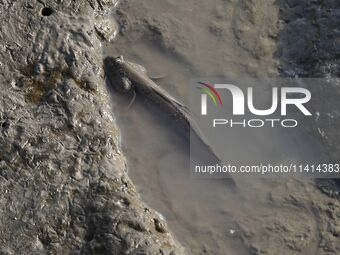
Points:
[[178, 40]]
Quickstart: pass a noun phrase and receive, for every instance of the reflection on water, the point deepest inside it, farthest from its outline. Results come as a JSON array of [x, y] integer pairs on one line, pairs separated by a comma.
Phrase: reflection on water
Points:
[[198, 39]]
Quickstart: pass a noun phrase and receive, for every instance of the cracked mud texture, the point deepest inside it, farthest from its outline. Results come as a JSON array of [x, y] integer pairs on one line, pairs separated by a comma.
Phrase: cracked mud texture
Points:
[[63, 182]]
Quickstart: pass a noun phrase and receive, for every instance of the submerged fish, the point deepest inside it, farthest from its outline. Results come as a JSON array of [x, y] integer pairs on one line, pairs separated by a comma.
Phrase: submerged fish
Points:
[[126, 76]]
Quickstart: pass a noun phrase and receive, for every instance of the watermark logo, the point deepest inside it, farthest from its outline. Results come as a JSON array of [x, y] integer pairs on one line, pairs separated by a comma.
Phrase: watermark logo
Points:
[[239, 99], [281, 99], [264, 126]]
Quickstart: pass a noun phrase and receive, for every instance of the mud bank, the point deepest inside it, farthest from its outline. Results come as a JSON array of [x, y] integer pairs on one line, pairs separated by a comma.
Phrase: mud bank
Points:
[[251, 38], [315, 55], [63, 182]]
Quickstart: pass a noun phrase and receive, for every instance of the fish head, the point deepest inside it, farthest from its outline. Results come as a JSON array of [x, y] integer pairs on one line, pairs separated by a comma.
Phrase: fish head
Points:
[[115, 74]]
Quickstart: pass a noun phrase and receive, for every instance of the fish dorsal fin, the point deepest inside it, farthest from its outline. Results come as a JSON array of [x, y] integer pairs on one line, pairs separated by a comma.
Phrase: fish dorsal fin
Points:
[[139, 68], [158, 77]]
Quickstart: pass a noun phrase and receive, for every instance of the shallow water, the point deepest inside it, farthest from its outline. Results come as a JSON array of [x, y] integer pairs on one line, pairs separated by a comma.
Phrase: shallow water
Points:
[[200, 38]]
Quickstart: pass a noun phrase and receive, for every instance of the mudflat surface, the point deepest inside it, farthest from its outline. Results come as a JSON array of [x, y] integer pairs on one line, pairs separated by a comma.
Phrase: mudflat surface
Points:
[[63, 182], [178, 40]]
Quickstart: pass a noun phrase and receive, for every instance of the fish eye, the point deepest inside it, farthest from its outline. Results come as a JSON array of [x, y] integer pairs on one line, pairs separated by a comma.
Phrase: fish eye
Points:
[[119, 59]]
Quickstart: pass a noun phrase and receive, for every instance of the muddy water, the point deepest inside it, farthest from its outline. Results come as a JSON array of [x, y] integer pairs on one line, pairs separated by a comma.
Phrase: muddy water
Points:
[[178, 40]]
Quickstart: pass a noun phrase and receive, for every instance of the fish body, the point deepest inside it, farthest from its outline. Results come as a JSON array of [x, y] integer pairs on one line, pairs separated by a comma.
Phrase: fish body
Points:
[[118, 70]]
